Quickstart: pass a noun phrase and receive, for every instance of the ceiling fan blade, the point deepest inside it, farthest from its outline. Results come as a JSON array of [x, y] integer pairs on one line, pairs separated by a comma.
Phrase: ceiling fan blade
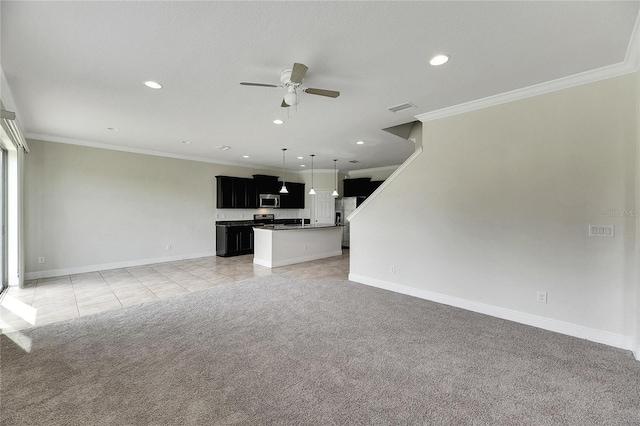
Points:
[[244, 83], [298, 72], [322, 92], [284, 104]]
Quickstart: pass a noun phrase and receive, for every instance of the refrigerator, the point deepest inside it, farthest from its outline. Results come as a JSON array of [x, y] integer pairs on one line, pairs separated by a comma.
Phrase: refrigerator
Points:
[[344, 207]]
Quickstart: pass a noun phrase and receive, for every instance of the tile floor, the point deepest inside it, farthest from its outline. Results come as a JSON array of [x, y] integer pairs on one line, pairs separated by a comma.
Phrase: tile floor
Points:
[[49, 300]]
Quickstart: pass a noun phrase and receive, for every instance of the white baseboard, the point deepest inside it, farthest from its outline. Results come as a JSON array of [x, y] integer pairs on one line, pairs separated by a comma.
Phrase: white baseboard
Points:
[[604, 337], [105, 266]]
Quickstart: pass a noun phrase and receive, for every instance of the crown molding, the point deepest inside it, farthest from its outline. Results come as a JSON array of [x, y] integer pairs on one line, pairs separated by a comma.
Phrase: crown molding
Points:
[[531, 91], [90, 144], [630, 64], [99, 145]]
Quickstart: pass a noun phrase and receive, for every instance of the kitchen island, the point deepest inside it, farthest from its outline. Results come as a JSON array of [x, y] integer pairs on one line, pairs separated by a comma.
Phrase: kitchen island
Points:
[[281, 245]]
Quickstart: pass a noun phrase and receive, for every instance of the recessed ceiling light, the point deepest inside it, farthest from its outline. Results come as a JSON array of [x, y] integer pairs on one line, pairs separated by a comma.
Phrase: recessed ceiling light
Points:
[[186, 142], [153, 84], [245, 156], [439, 60], [278, 121], [360, 143], [115, 129], [300, 158], [303, 165]]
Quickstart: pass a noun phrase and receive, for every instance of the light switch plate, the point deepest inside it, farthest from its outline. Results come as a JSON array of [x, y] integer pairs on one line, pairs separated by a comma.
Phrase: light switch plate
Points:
[[606, 231]]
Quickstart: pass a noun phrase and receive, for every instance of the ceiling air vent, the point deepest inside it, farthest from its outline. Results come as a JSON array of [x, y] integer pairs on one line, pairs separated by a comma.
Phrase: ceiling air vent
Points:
[[401, 107], [354, 161]]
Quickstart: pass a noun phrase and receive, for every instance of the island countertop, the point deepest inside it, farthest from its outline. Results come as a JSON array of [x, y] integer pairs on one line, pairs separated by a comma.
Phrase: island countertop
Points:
[[296, 227]]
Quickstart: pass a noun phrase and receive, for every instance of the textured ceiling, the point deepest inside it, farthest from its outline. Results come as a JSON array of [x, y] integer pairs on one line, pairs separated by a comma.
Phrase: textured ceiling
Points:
[[77, 68]]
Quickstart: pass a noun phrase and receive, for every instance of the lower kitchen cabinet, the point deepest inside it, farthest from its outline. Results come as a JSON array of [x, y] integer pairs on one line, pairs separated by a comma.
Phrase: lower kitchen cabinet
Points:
[[234, 240]]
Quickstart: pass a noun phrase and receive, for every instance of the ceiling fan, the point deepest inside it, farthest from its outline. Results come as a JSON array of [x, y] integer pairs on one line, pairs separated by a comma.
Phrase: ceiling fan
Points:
[[291, 78]]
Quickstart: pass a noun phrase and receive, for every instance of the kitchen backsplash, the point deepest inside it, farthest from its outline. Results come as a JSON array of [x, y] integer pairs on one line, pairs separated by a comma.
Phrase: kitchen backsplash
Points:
[[247, 214]]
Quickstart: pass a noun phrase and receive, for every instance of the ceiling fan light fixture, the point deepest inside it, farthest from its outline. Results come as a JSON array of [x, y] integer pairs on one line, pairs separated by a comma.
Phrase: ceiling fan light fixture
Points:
[[291, 79], [291, 98]]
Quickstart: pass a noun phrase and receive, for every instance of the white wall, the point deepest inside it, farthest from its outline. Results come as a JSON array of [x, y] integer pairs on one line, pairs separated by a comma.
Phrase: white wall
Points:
[[497, 207], [89, 208], [637, 248]]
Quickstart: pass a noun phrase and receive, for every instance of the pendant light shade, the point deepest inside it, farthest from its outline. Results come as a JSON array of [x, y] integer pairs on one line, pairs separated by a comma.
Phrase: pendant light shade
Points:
[[335, 171], [284, 189], [313, 191]]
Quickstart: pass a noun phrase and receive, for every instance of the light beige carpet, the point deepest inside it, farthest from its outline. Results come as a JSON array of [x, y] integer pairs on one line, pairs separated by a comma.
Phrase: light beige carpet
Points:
[[288, 352]]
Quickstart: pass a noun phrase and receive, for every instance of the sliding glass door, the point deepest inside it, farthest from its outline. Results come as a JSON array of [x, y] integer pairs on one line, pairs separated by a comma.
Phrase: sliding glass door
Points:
[[3, 219]]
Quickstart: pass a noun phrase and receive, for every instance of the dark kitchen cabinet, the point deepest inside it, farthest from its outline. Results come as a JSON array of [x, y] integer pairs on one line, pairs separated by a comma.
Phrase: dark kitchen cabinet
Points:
[[360, 187], [243, 193], [295, 198], [250, 194], [224, 192], [234, 240], [374, 185], [236, 193], [267, 184]]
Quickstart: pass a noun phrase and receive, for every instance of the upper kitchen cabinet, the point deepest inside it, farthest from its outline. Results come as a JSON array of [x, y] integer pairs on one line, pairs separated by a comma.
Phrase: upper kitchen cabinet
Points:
[[243, 193], [266, 184], [360, 187], [236, 193], [295, 198]]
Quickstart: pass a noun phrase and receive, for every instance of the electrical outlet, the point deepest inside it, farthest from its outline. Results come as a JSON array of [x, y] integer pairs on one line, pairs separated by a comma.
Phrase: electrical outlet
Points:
[[304, 247], [168, 247], [41, 260], [542, 297], [392, 269]]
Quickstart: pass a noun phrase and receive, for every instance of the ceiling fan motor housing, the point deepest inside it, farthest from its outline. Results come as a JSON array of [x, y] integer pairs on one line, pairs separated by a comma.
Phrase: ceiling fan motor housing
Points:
[[285, 77]]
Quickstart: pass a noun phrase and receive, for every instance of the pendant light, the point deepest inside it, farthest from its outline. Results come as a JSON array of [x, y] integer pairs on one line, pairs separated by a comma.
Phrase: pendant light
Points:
[[335, 171], [283, 190], [313, 191]]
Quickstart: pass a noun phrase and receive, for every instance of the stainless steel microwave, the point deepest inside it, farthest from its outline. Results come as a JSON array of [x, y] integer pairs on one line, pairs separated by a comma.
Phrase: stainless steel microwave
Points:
[[271, 201]]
